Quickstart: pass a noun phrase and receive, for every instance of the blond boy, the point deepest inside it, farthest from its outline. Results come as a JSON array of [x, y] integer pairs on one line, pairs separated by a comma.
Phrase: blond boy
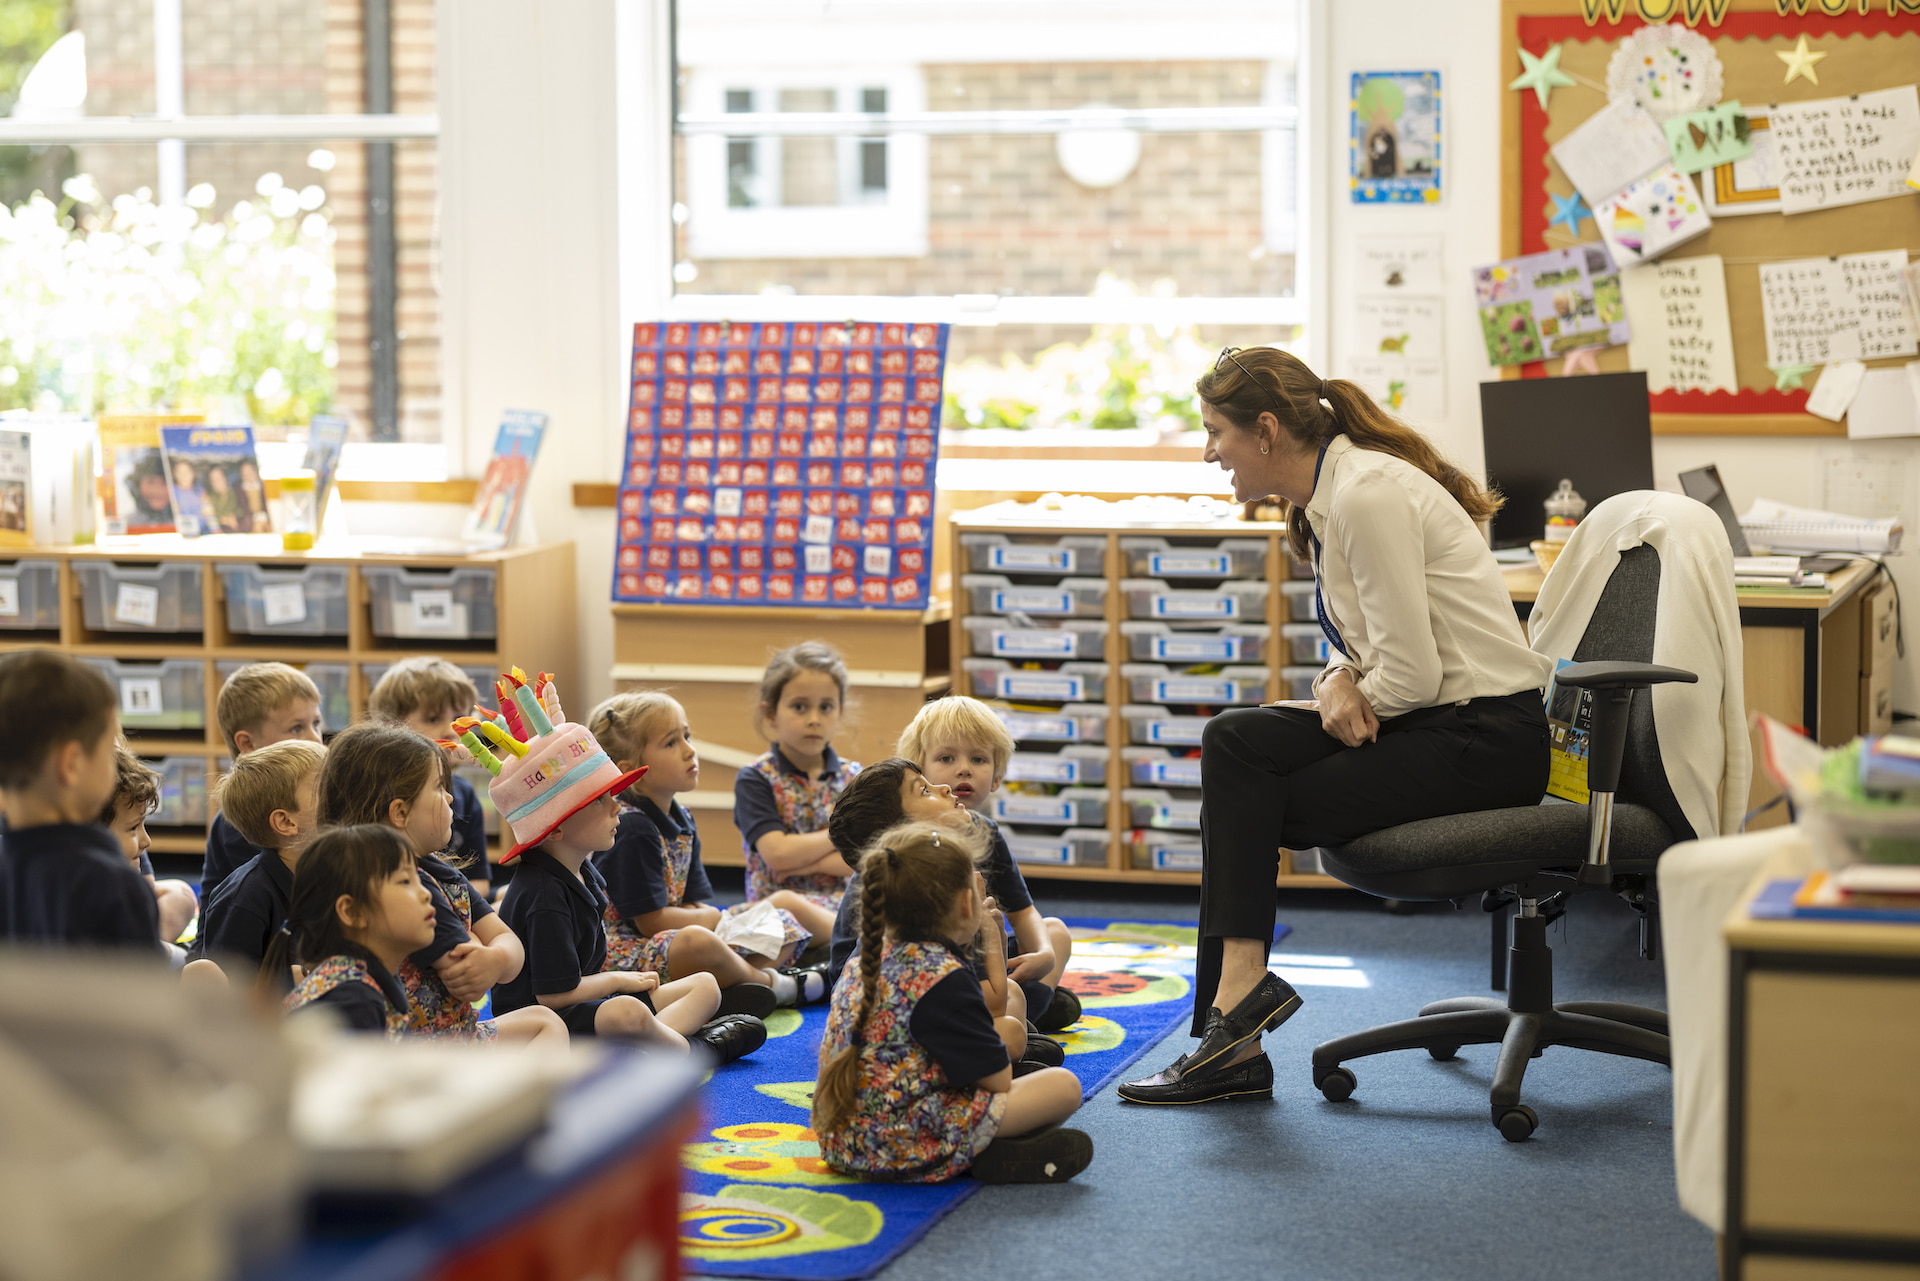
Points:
[[261, 704], [425, 695], [269, 798]]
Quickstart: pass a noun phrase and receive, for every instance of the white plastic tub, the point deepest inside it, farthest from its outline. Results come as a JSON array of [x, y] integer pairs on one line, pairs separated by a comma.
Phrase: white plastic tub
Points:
[[1032, 554], [1227, 558], [1298, 681], [29, 595], [1158, 683], [1158, 767], [1074, 723], [1298, 597], [1069, 598], [137, 598], [1075, 847], [1069, 807], [183, 791], [1068, 683], [1084, 639], [1162, 643], [1073, 765], [1150, 726], [432, 604], [166, 695], [1154, 807], [1164, 852], [1231, 602], [1305, 643], [308, 601]]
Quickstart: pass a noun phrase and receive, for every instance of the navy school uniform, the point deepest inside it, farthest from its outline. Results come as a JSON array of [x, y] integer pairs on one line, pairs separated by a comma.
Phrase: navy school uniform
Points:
[[467, 848], [69, 884], [559, 918], [357, 988], [244, 913], [226, 851]]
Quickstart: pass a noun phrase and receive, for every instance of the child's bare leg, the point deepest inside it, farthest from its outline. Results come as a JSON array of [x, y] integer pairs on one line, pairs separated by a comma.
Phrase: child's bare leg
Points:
[[814, 919], [534, 1025], [1040, 1099], [1062, 939], [1013, 1035], [177, 905], [626, 1017], [698, 950], [761, 961], [685, 1005], [1016, 1003], [203, 976]]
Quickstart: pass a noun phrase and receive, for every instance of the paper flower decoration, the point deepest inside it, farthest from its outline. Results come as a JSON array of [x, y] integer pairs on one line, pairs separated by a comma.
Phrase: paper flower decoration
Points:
[[1542, 74], [1668, 70]]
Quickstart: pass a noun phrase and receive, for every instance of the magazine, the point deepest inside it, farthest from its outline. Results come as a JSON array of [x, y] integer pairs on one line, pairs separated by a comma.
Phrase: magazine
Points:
[[326, 437], [503, 486], [16, 489], [1569, 722], [133, 477], [214, 476]]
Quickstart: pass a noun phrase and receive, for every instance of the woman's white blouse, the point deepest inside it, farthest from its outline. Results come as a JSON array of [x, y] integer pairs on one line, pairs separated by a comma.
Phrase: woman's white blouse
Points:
[[1412, 588]]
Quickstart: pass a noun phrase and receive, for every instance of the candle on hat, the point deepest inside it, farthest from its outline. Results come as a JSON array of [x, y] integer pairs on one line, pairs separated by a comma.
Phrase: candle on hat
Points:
[[488, 730], [481, 754], [503, 690]]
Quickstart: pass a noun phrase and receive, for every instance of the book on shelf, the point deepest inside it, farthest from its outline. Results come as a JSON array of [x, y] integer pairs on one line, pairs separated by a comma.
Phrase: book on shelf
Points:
[[1818, 898], [498, 506], [1803, 529], [16, 489], [326, 438], [134, 493], [214, 476]]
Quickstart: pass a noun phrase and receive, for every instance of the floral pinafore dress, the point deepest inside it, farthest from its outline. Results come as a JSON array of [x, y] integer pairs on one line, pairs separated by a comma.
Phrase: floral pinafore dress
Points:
[[338, 971], [431, 1009], [805, 805]]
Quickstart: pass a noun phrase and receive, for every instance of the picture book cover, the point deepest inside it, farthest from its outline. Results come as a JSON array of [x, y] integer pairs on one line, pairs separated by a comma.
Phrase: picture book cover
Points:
[[214, 476], [16, 489], [1548, 304], [326, 438], [1395, 137], [1569, 721], [1659, 212], [133, 477], [503, 486]]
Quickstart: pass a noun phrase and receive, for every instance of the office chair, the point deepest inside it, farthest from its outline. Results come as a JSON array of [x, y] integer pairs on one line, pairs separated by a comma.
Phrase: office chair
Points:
[[1541, 855]]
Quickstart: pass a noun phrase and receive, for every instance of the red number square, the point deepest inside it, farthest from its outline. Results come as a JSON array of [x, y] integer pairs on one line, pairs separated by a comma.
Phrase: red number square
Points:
[[646, 335], [881, 476], [707, 335], [752, 558], [753, 474], [786, 472], [767, 362], [813, 587], [689, 587], [919, 502], [919, 417], [784, 557], [765, 417], [914, 473], [858, 420], [642, 419], [912, 560], [720, 586], [630, 530], [873, 591], [719, 558], [819, 473], [893, 334], [853, 475], [736, 362], [924, 335], [890, 418], [687, 558], [739, 334], [700, 473], [673, 390], [919, 445], [731, 418], [822, 445], [674, 362], [789, 502], [690, 529], [737, 391], [820, 502], [800, 361], [833, 362], [726, 529], [893, 362], [632, 503], [674, 446], [662, 502], [844, 557], [884, 445], [791, 444], [752, 529], [803, 334], [766, 390], [906, 589], [786, 529], [908, 531], [825, 419], [827, 389], [873, 532], [654, 584], [640, 474], [750, 587], [698, 502], [645, 393], [846, 504], [780, 587], [646, 364], [859, 390], [726, 474], [669, 473], [679, 334], [662, 530], [848, 531], [845, 587], [926, 362], [773, 335], [863, 335]]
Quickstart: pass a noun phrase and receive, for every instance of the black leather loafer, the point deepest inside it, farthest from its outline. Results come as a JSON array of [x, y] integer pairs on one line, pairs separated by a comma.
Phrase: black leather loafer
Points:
[[1270, 1004], [756, 999], [731, 1036], [812, 981], [1252, 1079], [1045, 1050], [1047, 1156], [1062, 1012]]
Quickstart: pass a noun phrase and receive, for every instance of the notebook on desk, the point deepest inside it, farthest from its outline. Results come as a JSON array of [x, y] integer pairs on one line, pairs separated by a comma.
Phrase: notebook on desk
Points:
[[1703, 484]]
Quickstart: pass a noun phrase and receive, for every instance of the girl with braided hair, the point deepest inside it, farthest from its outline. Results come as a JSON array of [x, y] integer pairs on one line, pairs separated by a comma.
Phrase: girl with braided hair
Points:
[[915, 1082]]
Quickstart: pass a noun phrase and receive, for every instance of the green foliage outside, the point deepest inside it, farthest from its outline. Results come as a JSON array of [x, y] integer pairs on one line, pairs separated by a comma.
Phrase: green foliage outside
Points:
[[28, 29]]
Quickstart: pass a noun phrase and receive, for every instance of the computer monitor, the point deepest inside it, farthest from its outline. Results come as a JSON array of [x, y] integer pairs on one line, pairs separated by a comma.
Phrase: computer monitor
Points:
[[1594, 430], [1703, 484]]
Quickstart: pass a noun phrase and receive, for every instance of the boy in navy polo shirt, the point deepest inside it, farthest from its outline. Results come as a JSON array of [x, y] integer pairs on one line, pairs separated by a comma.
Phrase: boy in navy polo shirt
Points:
[[261, 704], [65, 880], [269, 798]]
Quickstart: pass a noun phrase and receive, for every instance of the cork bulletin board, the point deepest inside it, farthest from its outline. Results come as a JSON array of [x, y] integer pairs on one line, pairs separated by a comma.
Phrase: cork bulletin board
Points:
[[1871, 45]]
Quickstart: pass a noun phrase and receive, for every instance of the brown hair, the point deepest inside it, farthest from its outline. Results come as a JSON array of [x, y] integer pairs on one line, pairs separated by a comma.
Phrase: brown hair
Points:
[[369, 767], [254, 693], [1266, 380], [264, 780], [956, 719], [625, 723], [422, 685], [349, 861], [133, 784], [48, 700], [807, 656], [909, 878]]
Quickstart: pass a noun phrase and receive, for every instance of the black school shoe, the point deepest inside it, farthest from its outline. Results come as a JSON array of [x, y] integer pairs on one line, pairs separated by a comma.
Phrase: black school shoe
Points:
[[812, 981], [1061, 1013], [1271, 1003], [756, 999], [1252, 1079], [1047, 1156], [731, 1036], [1045, 1051]]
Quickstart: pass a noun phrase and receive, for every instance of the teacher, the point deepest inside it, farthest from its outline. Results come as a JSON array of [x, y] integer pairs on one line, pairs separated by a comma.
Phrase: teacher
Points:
[[1430, 703]]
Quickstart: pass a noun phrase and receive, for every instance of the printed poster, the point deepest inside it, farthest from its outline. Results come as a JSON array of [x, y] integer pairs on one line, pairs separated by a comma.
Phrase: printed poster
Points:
[[1547, 304], [1395, 137]]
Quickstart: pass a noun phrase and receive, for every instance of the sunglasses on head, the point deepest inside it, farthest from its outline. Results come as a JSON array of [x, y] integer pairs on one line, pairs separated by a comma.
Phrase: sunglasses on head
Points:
[[1226, 354]]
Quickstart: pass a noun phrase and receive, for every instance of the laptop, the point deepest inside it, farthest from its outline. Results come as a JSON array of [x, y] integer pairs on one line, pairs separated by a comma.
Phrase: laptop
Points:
[[1703, 484]]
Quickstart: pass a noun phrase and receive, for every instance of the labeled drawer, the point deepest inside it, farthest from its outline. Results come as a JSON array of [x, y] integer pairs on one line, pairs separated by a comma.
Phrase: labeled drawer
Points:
[[1163, 643], [183, 791], [30, 594], [336, 706], [430, 604], [1068, 683], [1023, 554], [1150, 726], [1000, 638], [1228, 558], [135, 598], [1297, 595], [165, 695], [1158, 683], [1305, 643], [1069, 807], [1297, 682], [1164, 852], [1074, 723], [1070, 766], [1075, 847], [1158, 767], [309, 601], [1069, 598], [1228, 603], [1154, 807]]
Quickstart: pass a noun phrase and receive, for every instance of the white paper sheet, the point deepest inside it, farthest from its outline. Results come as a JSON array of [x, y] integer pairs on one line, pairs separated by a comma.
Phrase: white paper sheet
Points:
[[1652, 215], [1682, 335], [1398, 264], [1887, 404], [1841, 151], [1835, 390], [1405, 327], [1614, 146], [1415, 390], [1818, 310]]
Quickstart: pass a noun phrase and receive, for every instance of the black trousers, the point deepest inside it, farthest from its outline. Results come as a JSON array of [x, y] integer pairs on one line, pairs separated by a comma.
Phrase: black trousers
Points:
[[1271, 777]]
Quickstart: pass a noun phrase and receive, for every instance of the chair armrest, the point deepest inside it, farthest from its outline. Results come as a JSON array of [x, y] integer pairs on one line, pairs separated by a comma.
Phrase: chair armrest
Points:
[[1609, 675]]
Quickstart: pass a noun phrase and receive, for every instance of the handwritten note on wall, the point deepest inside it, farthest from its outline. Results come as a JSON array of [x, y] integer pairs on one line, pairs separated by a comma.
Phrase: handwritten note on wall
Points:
[[1818, 310], [1681, 333], [1841, 151], [1408, 327]]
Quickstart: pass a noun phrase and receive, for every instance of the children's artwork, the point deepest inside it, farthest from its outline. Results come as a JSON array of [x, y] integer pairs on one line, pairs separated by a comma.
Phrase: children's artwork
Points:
[[1395, 137], [781, 464], [1748, 186], [16, 489], [1669, 70], [134, 498], [326, 438], [1548, 304], [1818, 310], [1404, 327], [1612, 147], [1660, 212], [1415, 390], [1702, 139], [214, 476], [1682, 335], [1841, 151], [503, 486], [1398, 264]]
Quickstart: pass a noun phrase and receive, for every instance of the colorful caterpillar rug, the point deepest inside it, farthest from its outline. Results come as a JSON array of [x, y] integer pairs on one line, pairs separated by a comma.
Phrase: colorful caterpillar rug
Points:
[[761, 1204]]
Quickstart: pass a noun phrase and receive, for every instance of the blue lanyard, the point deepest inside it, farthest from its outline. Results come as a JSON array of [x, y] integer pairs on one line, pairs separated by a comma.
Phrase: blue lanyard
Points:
[[1331, 632]]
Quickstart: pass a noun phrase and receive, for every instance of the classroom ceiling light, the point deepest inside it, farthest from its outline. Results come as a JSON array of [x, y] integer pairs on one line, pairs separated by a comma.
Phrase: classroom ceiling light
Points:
[[1098, 157]]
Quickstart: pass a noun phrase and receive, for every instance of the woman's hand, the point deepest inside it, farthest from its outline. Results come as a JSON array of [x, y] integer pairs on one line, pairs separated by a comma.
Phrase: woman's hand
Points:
[[1345, 712]]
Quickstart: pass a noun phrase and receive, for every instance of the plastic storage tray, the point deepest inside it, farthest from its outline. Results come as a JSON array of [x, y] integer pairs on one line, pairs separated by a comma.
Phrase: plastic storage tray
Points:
[[309, 601], [1069, 598], [1074, 723], [136, 598], [29, 594], [1157, 808], [1227, 603], [1069, 807], [1305, 861], [1158, 767], [478, 776], [1164, 852], [429, 604], [1072, 638], [1158, 683], [1298, 599], [1297, 682], [482, 678], [1160, 643], [165, 695], [1069, 683], [1148, 726], [1068, 554], [1075, 847], [1305, 643], [336, 708], [1228, 558], [1073, 765], [183, 791]]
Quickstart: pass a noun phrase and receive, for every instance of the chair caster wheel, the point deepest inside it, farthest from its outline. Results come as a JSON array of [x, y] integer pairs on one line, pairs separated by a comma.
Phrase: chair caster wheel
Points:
[[1443, 1053], [1337, 1084], [1517, 1124]]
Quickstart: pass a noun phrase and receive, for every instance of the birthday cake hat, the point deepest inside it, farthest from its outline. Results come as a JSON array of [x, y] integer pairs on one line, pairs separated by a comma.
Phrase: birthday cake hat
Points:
[[545, 768]]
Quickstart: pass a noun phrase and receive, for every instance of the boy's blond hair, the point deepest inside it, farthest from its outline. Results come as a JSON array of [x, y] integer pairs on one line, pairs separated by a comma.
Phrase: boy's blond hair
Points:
[[134, 784], [623, 724], [264, 780], [415, 685], [253, 694], [956, 719]]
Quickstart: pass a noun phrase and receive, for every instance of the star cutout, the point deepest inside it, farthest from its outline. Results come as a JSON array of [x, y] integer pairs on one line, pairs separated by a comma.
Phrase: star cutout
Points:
[[1800, 62], [1543, 74], [1581, 361], [1570, 210], [1790, 377]]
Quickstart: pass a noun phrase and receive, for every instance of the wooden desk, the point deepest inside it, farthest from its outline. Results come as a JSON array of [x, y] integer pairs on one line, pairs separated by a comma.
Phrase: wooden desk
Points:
[[1823, 1128]]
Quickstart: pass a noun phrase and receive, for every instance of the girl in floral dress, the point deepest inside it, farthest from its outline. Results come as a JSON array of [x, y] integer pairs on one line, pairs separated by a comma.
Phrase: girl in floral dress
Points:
[[350, 953]]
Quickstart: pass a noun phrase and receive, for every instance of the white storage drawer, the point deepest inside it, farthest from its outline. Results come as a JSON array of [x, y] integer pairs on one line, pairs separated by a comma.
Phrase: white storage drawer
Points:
[[1156, 808], [1228, 558], [1298, 596], [1075, 847], [432, 604], [1069, 598], [308, 601], [165, 695], [30, 594], [1297, 682], [1305, 643], [1158, 683], [1228, 603], [1160, 643], [1070, 766], [1305, 861], [1074, 723], [1073, 638], [139, 598], [1150, 726], [1081, 554], [1158, 767], [1164, 852], [1068, 683], [1069, 807], [183, 791]]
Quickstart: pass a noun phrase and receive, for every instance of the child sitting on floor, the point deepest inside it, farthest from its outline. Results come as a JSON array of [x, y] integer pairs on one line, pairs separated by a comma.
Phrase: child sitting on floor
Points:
[[261, 703], [427, 695], [915, 1085], [136, 794], [268, 796]]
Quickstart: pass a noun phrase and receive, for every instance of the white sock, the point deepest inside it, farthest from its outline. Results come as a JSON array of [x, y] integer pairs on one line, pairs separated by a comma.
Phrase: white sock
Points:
[[785, 990]]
